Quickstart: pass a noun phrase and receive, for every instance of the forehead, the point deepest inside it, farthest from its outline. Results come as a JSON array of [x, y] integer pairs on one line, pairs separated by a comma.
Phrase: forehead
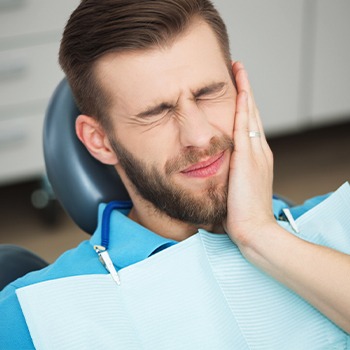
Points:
[[133, 80]]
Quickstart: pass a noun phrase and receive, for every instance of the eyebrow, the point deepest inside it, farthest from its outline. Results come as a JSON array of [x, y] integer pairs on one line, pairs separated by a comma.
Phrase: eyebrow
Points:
[[164, 106]]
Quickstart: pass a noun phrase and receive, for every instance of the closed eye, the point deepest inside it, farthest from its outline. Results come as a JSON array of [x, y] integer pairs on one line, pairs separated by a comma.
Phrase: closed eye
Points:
[[210, 91], [155, 110]]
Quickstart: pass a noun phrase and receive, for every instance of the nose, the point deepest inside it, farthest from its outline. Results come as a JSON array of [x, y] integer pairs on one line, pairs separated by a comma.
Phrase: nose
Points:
[[195, 128]]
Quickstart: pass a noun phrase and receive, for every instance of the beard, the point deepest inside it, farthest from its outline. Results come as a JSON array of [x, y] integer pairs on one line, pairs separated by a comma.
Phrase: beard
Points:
[[170, 198]]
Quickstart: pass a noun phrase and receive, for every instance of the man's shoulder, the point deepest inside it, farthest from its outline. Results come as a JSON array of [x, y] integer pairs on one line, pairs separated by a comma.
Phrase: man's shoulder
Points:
[[77, 261]]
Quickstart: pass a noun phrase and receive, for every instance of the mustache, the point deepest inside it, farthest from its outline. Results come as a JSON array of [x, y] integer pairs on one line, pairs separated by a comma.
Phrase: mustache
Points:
[[191, 156]]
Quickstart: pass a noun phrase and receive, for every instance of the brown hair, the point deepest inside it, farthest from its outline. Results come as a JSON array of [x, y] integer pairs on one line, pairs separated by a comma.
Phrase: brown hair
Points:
[[98, 27]]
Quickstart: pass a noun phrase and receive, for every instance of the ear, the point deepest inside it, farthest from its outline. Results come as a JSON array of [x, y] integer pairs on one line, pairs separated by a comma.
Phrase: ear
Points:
[[93, 136]]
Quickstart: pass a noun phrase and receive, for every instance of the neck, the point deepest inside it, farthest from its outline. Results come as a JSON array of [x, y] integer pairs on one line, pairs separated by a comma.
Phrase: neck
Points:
[[145, 214]]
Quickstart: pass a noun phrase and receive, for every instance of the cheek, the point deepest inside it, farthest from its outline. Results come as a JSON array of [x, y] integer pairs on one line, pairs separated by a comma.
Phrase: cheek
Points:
[[152, 145], [153, 148], [222, 117]]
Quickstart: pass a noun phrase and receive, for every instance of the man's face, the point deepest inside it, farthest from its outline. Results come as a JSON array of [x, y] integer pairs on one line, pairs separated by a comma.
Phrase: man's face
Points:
[[172, 113]]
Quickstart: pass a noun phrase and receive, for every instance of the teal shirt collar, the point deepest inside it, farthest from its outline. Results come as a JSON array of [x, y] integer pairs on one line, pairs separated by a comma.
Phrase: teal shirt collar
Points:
[[129, 242]]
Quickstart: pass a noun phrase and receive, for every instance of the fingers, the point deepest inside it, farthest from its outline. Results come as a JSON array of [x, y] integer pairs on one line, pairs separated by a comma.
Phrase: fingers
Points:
[[253, 122], [241, 127], [246, 111], [243, 84]]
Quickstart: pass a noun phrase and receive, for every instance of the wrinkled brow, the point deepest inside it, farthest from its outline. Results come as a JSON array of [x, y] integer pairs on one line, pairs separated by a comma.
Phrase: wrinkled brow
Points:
[[164, 106]]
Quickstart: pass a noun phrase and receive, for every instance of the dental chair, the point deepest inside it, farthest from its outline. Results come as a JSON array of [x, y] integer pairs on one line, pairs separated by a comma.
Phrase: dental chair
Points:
[[79, 181], [16, 262]]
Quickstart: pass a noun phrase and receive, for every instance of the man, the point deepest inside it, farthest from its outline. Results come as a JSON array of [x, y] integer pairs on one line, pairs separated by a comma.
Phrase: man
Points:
[[162, 102]]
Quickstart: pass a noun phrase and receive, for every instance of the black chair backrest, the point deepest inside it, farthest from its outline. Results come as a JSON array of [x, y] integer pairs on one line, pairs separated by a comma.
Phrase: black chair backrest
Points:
[[78, 180]]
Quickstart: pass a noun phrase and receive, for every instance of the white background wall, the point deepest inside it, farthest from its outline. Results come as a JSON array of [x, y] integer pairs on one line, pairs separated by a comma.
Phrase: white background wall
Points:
[[297, 54], [30, 31]]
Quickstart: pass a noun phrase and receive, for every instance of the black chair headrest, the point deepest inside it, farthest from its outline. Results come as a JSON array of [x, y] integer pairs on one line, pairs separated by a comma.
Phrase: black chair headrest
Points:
[[79, 181]]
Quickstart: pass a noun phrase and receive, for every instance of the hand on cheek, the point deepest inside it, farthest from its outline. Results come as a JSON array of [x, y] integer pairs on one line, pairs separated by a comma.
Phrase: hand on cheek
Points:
[[251, 169]]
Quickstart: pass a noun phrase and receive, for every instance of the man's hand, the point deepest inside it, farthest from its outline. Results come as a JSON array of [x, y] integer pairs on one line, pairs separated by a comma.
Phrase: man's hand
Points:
[[251, 169], [296, 263]]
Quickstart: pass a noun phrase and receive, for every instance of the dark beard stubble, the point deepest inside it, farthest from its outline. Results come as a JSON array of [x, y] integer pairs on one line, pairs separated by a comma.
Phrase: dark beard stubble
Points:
[[170, 198]]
